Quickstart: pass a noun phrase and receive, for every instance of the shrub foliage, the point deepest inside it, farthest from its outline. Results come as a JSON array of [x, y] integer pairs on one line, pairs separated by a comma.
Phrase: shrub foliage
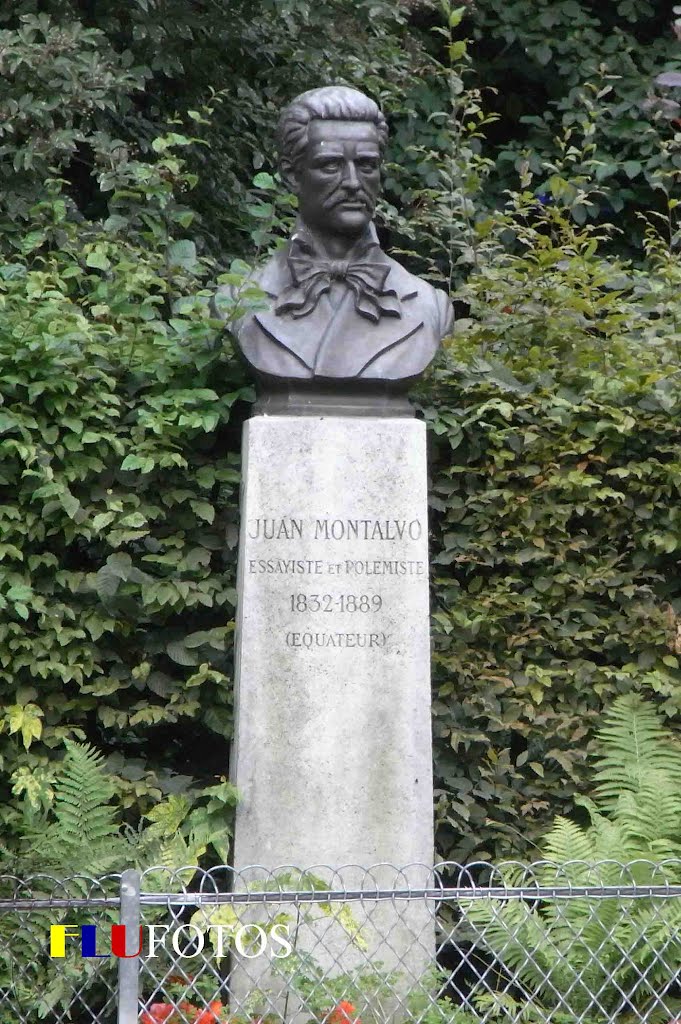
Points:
[[553, 414]]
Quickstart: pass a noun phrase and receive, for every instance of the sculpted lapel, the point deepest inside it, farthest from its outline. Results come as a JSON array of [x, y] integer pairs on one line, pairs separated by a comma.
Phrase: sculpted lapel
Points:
[[334, 341], [314, 339], [369, 340]]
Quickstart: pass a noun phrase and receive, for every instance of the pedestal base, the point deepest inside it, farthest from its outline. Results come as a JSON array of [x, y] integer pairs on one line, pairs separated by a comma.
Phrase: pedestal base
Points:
[[333, 751]]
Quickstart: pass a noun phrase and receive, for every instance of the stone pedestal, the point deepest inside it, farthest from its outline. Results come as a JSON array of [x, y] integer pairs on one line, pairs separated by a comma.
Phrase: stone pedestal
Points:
[[333, 751]]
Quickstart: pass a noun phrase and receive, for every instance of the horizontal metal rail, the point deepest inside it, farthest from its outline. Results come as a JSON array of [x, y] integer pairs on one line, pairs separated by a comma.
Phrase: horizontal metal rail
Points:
[[458, 894]]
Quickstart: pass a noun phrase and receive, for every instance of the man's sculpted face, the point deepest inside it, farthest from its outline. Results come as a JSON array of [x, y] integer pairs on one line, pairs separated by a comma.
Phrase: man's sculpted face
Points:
[[338, 178]]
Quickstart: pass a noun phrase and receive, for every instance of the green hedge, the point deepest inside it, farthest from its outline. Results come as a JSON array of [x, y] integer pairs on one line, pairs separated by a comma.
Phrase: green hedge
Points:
[[554, 427], [556, 521], [556, 529]]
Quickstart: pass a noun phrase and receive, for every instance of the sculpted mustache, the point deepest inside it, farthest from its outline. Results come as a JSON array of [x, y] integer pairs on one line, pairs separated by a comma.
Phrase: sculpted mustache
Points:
[[357, 197]]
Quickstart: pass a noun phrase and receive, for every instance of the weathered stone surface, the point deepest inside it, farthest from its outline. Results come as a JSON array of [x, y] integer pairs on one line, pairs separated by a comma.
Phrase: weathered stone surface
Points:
[[333, 745], [333, 734]]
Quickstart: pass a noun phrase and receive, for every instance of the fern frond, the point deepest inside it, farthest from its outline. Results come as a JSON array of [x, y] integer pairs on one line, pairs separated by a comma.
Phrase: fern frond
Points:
[[175, 852], [612, 846], [567, 842], [569, 953], [82, 793], [651, 815], [633, 741]]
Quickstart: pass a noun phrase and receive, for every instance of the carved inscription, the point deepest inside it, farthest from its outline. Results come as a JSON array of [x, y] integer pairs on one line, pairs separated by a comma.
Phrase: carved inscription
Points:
[[335, 529], [335, 599]]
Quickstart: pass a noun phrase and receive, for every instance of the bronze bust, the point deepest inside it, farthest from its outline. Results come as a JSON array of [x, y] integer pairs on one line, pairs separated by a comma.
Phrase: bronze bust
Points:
[[343, 316]]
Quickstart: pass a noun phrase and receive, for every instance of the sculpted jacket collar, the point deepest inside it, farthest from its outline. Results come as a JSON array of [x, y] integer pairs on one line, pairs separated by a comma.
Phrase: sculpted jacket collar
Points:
[[333, 338]]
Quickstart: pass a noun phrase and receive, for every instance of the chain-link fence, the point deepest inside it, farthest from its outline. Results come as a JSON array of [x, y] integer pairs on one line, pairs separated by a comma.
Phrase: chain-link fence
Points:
[[467, 944]]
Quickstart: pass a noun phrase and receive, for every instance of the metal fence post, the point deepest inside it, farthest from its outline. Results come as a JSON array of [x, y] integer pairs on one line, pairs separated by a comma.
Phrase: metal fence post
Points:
[[128, 969]]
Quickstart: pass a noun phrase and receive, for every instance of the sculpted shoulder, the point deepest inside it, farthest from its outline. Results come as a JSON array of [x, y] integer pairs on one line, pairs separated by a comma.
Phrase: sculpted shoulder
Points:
[[332, 340], [434, 302]]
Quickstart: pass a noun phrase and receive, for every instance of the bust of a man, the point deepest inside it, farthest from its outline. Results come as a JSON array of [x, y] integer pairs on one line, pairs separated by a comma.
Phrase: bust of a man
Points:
[[342, 314]]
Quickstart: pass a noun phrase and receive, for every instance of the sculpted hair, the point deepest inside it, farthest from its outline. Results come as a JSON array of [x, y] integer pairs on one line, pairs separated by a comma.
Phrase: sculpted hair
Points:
[[330, 103]]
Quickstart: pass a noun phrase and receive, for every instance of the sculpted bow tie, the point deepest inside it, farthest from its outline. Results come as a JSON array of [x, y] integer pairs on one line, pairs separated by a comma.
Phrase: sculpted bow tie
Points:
[[313, 275]]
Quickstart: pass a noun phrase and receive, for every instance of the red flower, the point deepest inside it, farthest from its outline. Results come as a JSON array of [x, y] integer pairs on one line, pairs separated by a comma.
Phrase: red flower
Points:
[[210, 1016], [344, 1013], [162, 1013], [157, 1013]]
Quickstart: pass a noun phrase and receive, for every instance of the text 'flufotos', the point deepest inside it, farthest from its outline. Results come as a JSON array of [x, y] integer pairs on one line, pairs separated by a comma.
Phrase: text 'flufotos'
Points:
[[186, 941]]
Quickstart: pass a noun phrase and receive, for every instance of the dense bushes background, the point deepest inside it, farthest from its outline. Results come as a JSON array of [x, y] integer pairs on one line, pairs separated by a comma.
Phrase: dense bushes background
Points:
[[556, 474], [553, 414], [558, 65]]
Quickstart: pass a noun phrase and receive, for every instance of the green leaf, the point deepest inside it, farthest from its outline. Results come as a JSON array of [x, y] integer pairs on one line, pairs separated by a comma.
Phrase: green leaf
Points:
[[179, 653], [183, 254], [632, 168], [142, 462], [543, 53], [98, 259], [204, 510], [69, 503], [264, 180], [457, 49], [456, 16], [102, 519], [25, 719]]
